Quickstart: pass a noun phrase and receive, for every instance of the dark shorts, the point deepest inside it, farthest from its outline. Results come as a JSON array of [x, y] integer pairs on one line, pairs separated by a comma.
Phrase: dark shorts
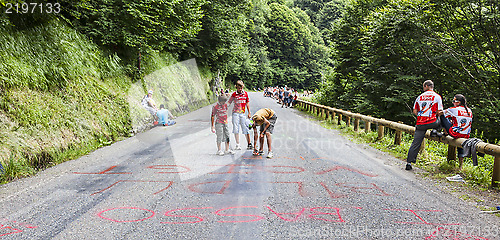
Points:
[[271, 120]]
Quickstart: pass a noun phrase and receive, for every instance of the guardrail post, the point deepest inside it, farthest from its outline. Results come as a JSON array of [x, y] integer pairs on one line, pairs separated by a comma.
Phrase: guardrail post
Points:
[[356, 124], [348, 121], [333, 117], [422, 146], [380, 132], [495, 179], [327, 116], [398, 136], [340, 119], [322, 113], [368, 126], [452, 153]]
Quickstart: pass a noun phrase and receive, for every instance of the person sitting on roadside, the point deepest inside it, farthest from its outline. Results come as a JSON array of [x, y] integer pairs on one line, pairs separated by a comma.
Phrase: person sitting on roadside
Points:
[[460, 121], [165, 118], [149, 104], [427, 107]]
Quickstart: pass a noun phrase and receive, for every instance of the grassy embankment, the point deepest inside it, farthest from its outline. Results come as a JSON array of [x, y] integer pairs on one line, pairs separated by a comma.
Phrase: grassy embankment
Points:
[[433, 160], [63, 97]]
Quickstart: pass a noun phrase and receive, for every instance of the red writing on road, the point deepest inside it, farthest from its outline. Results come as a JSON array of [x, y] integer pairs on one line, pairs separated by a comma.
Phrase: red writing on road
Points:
[[243, 214], [422, 221]]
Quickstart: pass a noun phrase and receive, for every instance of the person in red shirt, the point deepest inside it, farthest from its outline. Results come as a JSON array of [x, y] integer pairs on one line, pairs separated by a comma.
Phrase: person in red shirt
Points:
[[428, 106], [460, 121], [240, 116], [219, 124]]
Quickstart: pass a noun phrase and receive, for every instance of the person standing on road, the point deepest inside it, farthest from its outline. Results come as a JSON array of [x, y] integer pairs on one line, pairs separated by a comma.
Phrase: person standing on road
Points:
[[461, 122], [265, 118], [427, 107], [286, 97], [240, 99], [218, 121]]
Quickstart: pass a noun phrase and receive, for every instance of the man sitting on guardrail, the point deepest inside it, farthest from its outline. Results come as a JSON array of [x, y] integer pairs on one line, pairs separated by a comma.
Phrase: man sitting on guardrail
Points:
[[427, 107]]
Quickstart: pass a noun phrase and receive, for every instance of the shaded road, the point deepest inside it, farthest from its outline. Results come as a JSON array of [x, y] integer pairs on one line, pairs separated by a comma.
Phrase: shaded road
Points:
[[167, 183]]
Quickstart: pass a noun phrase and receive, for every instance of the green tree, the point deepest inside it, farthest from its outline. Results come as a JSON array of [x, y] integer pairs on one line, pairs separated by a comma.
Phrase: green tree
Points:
[[295, 47], [130, 25]]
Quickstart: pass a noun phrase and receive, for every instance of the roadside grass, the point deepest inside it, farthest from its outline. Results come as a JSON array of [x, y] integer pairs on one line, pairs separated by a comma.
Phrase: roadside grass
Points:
[[433, 159], [62, 96]]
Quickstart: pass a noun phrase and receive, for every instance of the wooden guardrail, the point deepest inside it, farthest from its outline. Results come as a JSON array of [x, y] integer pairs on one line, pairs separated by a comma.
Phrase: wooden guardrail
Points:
[[326, 112]]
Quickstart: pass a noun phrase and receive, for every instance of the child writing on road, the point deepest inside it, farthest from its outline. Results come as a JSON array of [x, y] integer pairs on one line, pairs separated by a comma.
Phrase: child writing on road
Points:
[[219, 124], [265, 118]]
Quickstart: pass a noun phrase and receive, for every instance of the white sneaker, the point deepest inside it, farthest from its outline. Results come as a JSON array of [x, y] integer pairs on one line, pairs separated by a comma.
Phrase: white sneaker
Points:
[[270, 154], [230, 151], [220, 153], [238, 147]]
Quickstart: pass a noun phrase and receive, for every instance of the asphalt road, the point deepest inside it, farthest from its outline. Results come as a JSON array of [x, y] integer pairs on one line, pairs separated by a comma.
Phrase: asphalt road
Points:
[[168, 183]]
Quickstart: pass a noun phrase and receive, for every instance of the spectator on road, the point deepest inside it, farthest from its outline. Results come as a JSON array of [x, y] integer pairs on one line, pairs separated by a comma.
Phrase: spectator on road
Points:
[[149, 104], [240, 99], [427, 107], [165, 118], [265, 118], [461, 121], [218, 121], [286, 97]]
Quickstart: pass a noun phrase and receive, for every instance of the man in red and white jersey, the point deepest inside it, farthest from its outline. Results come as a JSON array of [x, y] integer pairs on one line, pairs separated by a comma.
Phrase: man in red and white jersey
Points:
[[427, 107], [239, 118]]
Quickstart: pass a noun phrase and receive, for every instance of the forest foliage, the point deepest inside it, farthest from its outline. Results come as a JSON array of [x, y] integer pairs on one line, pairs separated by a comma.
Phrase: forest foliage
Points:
[[367, 56]]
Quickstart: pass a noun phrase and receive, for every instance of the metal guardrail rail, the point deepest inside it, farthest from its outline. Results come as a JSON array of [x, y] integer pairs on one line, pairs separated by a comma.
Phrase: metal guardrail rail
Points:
[[325, 112]]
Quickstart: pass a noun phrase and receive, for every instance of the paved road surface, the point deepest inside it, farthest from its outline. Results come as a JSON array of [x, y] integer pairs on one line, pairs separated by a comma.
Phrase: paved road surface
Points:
[[168, 183]]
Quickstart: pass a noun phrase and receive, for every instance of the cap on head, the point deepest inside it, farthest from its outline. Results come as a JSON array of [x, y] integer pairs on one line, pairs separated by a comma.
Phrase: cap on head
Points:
[[150, 91]]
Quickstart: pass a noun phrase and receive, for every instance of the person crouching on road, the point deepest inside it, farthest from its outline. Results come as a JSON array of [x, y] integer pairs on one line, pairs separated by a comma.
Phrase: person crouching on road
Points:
[[219, 117], [265, 118]]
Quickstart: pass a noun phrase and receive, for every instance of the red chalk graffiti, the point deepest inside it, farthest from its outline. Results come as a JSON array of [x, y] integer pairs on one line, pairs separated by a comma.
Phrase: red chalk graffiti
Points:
[[105, 172], [195, 187], [256, 218], [237, 214], [297, 169], [337, 214], [299, 185], [360, 189], [137, 181], [330, 192], [420, 218], [6, 230], [336, 168], [130, 208], [297, 214], [200, 219], [231, 169], [170, 167]]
